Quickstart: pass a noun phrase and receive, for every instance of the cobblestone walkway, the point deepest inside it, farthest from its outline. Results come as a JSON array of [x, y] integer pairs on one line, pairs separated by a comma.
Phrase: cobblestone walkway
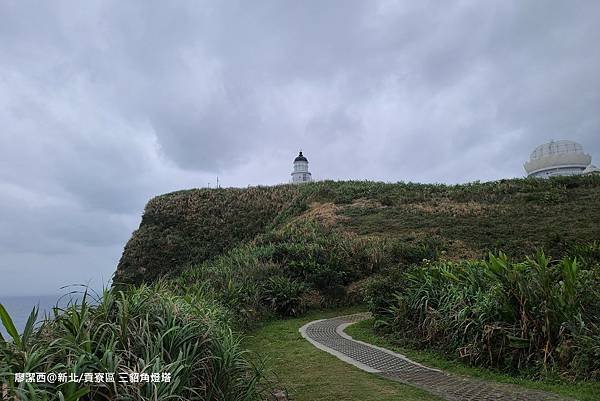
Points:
[[328, 335]]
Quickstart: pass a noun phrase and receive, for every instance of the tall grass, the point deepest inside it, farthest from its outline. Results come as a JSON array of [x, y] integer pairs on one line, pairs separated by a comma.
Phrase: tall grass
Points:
[[537, 314], [145, 330]]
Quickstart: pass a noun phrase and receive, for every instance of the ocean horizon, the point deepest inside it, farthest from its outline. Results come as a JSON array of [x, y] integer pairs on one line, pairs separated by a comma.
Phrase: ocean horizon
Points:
[[20, 306]]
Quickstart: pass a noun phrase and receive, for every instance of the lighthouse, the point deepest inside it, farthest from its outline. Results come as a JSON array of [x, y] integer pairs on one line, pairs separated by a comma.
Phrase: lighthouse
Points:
[[301, 173]]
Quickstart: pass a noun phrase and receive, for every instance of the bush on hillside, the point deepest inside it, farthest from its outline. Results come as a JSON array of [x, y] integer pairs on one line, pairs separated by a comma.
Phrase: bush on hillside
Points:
[[277, 273], [285, 296], [539, 314], [145, 331], [303, 263], [588, 253], [380, 288]]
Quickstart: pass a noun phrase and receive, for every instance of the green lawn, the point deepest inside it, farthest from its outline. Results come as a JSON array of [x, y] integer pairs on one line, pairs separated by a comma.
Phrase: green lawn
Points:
[[310, 374], [583, 391]]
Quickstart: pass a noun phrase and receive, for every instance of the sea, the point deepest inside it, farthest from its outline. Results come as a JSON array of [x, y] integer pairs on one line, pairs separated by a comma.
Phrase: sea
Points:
[[19, 307]]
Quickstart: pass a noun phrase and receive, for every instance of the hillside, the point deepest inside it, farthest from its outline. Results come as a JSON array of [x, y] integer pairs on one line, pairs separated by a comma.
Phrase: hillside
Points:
[[186, 228], [236, 260]]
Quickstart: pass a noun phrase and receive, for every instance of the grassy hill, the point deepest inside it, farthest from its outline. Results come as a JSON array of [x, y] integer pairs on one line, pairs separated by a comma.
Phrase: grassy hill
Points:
[[223, 261], [186, 228], [417, 254]]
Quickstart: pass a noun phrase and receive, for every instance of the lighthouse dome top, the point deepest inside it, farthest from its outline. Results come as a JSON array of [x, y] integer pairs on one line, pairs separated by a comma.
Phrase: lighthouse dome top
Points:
[[300, 158]]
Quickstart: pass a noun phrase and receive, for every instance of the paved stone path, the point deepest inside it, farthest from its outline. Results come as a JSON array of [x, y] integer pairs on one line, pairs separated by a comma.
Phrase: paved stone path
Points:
[[328, 335]]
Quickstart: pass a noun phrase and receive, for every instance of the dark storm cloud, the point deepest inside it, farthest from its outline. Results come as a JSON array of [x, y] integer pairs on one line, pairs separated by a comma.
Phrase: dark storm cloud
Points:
[[105, 104]]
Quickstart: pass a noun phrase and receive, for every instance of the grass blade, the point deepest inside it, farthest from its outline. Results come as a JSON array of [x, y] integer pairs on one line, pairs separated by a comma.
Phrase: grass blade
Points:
[[9, 325], [29, 325], [77, 394]]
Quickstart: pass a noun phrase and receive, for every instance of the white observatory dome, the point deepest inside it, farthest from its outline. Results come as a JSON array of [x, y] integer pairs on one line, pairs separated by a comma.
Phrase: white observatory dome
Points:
[[591, 169], [557, 158]]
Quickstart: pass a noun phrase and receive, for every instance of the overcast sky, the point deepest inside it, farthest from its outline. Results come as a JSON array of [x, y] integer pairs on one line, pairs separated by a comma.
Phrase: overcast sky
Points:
[[106, 104]]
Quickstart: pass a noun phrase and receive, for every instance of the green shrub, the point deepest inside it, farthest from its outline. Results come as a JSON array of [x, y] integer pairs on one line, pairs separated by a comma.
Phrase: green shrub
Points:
[[410, 253], [250, 279], [380, 288], [146, 330], [536, 314], [588, 253], [284, 296], [583, 355]]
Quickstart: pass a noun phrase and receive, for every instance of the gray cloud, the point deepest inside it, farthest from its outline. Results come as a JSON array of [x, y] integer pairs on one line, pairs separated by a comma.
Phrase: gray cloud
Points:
[[105, 104]]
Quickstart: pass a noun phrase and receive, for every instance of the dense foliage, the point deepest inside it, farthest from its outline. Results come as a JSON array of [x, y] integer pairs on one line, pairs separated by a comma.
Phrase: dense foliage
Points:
[[301, 265], [144, 331], [187, 227], [538, 314]]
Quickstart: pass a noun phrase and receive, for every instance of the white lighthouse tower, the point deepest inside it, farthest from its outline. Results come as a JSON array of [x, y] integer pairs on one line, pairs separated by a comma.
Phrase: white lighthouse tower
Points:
[[301, 173]]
